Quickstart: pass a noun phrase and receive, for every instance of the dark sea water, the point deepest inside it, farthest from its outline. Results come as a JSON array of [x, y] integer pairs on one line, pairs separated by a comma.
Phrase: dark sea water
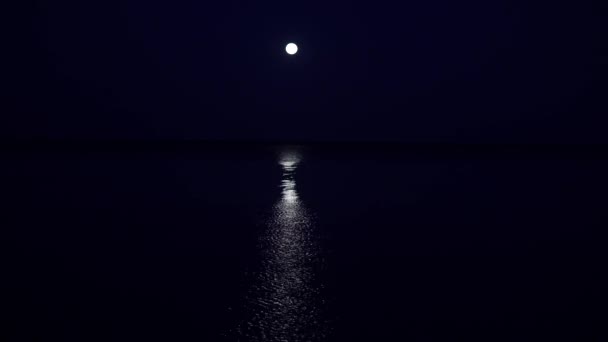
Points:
[[303, 244]]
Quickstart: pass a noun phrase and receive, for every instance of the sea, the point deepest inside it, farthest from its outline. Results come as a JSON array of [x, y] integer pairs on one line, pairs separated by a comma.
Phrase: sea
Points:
[[246, 242]]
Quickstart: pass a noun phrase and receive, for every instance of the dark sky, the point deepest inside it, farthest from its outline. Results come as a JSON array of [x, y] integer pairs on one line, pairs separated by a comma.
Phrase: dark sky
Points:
[[411, 71]]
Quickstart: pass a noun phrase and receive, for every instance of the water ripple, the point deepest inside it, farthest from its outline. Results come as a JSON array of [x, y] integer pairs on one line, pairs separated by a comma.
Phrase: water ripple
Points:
[[285, 302]]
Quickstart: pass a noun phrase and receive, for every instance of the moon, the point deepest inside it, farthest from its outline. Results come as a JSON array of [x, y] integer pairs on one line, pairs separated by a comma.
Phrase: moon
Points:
[[291, 48]]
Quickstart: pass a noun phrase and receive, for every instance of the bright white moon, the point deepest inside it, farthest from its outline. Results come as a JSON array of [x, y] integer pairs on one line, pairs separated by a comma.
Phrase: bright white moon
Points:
[[291, 48]]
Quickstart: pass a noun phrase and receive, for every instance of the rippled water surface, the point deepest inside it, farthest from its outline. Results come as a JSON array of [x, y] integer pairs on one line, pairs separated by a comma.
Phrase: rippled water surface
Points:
[[302, 244], [286, 301]]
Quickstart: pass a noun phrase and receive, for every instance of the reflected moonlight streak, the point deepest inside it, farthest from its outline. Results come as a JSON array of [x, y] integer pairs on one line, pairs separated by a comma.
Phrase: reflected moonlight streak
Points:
[[285, 302]]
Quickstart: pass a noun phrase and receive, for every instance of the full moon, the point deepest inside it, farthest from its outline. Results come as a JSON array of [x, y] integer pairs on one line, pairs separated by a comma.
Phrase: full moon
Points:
[[291, 48]]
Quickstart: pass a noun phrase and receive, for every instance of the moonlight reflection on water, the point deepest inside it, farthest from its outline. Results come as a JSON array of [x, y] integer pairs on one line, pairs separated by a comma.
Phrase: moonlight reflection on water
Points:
[[285, 301]]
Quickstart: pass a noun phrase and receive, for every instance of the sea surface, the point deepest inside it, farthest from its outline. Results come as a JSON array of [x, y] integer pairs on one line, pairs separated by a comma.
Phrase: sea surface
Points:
[[301, 243]]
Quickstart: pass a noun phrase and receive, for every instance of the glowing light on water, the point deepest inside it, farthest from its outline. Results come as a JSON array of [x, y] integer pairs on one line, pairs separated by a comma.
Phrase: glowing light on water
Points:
[[285, 302]]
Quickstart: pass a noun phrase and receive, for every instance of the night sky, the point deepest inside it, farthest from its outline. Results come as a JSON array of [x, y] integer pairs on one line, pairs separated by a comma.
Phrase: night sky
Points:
[[405, 71]]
